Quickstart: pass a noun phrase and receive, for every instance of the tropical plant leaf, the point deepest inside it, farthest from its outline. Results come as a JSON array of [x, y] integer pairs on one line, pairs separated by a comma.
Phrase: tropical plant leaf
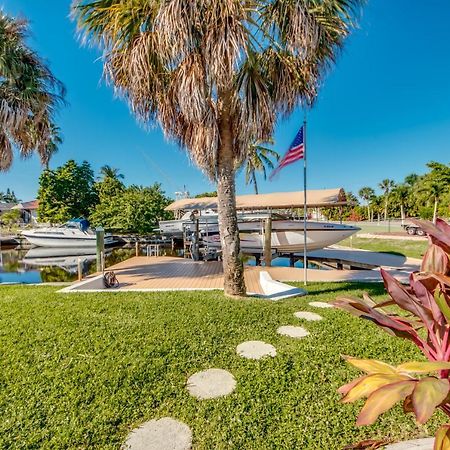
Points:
[[371, 383], [428, 394], [423, 367], [384, 399], [344, 389], [371, 366], [369, 444], [435, 260], [442, 438]]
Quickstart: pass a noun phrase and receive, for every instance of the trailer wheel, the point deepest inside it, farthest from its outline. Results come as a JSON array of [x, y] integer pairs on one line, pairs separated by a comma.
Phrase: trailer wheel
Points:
[[420, 232], [411, 231]]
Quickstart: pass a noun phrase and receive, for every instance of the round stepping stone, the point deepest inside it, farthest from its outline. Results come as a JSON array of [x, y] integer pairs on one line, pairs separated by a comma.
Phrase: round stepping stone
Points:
[[211, 383], [161, 434], [293, 331], [416, 444], [255, 350], [306, 315], [321, 305]]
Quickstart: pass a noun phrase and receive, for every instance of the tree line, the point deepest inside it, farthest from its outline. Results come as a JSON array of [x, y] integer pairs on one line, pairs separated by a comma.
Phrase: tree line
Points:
[[72, 190], [426, 196]]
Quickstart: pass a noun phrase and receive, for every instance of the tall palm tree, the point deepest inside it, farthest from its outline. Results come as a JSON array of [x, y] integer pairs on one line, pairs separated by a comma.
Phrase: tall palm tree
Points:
[[400, 194], [367, 193], [216, 75], [434, 189], [386, 186], [29, 95], [111, 172], [258, 159], [411, 179], [51, 146]]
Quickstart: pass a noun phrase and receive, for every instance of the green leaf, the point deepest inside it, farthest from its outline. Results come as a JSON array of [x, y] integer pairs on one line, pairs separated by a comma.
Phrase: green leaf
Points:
[[383, 399], [371, 365], [371, 383], [423, 367], [428, 394]]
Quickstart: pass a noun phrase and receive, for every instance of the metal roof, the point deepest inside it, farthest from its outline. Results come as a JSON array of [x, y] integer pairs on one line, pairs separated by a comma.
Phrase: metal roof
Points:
[[275, 200]]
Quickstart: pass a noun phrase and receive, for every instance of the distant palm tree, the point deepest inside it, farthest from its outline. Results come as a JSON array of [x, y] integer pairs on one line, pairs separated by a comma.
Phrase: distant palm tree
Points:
[[111, 172], [386, 186], [258, 159], [434, 189], [400, 194], [51, 146], [29, 95], [411, 179], [367, 193], [216, 75]]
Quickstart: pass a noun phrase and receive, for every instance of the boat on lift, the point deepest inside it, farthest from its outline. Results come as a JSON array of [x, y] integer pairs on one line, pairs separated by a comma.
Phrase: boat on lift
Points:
[[74, 233]]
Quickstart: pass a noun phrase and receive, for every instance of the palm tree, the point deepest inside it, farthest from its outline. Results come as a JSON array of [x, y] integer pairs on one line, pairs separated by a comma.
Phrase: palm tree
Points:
[[411, 179], [29, 96], [216, 75], [386, 186], [258, 158], [434, 189], [400, 195], [51, 146], [367, 193], [111, 172]]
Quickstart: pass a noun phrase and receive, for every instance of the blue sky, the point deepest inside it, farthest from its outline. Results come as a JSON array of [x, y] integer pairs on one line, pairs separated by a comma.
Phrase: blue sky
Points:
[[383, 111]]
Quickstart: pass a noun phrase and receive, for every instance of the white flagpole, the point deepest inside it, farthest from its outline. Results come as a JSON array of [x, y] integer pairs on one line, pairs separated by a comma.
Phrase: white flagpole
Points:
[[305, 208]]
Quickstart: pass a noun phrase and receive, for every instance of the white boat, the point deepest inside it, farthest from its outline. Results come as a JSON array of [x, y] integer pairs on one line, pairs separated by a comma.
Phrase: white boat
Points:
[[74, 233], [287, 234]]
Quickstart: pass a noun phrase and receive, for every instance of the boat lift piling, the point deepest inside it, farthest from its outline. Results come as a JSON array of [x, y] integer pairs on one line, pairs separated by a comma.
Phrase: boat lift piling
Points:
[[100, 245], [268, 241]]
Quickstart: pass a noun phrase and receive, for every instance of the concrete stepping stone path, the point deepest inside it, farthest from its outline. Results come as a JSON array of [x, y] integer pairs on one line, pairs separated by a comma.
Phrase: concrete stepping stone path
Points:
[[255, 350], [416, 444], [211, 383], [161, 434], [293, 331], [321, 305], [306, 315]]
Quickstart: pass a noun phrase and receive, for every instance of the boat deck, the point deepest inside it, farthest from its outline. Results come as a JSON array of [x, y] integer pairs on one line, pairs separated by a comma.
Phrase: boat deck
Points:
[[163, 273]]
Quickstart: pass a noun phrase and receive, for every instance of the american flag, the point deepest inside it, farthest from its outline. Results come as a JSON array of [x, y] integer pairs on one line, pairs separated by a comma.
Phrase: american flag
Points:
[[296, 151]]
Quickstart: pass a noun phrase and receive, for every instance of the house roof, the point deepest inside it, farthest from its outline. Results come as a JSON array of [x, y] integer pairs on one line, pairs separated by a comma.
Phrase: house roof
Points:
[[275, 200], [6, 206], [32, 205]]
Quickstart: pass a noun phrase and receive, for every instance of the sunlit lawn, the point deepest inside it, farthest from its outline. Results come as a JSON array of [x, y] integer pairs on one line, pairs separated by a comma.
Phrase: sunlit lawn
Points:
[[80, 371]]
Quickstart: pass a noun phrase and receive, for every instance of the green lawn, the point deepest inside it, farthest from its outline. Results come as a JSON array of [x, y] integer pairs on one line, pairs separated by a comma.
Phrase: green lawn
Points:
[[413, 249], [79, 371]]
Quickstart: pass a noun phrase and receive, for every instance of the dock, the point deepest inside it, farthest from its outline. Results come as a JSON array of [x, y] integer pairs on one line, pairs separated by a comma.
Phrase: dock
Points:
[[167, 273]]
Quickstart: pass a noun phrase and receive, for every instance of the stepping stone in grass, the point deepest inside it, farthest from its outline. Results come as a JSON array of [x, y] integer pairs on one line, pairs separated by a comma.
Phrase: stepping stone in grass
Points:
[[416, 444], [211, 383], [306, 315], [293, 331], [161, 434], [321, 305], [255, 350]]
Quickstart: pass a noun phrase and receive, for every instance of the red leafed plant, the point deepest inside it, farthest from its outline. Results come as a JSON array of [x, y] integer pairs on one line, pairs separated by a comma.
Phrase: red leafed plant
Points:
[[422, 386]]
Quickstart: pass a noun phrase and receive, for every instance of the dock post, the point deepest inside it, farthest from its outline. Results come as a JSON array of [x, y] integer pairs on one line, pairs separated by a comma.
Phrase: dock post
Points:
[[137, 247], [100, 240], [80, 270], [268, 241], [291, 260]]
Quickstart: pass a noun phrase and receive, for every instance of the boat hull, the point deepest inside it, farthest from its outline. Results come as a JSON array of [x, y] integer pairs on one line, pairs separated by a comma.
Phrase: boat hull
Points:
[[287, 236], [63, 241]]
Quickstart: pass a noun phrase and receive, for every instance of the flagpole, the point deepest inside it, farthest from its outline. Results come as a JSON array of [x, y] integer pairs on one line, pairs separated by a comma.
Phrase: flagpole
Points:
[[305, 208]]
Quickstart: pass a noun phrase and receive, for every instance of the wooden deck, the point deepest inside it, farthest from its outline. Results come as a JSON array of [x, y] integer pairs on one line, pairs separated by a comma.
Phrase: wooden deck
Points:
[[170, 273], [164, 273]]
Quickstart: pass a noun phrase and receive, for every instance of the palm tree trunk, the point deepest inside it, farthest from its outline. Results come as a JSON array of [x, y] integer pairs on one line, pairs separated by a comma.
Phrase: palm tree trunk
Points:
[[233, 269], [436, 200], [402, 213], [368, 213], [385, 210], [255, 184]]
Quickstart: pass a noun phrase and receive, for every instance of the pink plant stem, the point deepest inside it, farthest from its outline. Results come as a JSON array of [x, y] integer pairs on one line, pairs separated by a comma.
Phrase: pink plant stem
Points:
[[446, 409]]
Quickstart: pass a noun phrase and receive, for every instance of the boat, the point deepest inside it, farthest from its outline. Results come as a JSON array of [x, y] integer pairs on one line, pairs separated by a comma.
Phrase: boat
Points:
[[74, 233], [287, 233]]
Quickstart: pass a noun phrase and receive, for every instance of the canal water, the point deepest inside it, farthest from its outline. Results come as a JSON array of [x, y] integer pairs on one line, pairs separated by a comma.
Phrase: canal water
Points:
[[44, 265]]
